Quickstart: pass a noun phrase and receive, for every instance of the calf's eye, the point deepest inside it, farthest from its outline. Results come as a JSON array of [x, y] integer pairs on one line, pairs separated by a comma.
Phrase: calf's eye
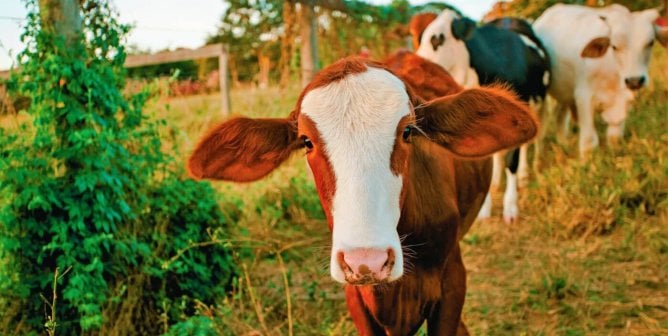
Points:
[[307, 143], [407, 133]]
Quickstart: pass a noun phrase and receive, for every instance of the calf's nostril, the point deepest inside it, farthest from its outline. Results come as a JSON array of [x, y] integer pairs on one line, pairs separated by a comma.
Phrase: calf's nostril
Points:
[[366, 263]]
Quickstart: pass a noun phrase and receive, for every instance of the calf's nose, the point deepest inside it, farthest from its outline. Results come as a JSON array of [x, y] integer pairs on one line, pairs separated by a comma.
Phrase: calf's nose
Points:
[[634, 83], [365, 266]]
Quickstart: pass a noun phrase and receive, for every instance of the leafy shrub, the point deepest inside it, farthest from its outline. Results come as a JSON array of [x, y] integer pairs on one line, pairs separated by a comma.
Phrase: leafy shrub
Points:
[[88, 189]]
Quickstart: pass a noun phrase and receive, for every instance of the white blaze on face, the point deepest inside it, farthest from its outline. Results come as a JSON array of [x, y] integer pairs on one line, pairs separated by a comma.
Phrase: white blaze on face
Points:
[[357, 118]]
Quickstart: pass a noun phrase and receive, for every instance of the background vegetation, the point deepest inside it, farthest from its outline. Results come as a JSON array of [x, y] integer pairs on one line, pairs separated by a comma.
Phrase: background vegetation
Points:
[[93, 185], [96, 217]]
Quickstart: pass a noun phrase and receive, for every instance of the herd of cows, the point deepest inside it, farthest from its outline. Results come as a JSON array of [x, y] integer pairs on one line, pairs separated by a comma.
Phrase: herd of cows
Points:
[[399, 149]]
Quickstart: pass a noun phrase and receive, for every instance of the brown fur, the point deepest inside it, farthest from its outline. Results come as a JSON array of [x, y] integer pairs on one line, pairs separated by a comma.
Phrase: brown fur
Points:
[[441, 194], [418, 24], [430, 79]]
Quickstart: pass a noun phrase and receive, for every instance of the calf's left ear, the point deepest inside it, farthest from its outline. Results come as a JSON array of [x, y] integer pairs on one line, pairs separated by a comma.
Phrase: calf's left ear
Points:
[[243, 149], [477, 122]]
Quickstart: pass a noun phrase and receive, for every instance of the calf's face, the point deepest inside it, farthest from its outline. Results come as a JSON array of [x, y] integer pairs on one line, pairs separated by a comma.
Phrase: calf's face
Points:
[[632, 38], [354, 127], [442, 42], [356, 122]]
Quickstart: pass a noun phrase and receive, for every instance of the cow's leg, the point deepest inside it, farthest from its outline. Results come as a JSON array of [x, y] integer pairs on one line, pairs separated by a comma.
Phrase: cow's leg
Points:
[[364, 322], [615, 117], [543, 108], [585, 112], [523, 167], [510, 208], [614, 133], [486, 208], [563, 115], [445, 319], [497, 168]]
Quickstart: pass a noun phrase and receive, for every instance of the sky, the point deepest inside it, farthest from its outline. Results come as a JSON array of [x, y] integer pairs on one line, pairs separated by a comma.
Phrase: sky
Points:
[[162, 24]]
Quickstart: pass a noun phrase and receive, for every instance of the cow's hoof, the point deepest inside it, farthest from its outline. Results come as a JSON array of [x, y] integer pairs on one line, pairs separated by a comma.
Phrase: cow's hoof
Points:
[[511, 214]]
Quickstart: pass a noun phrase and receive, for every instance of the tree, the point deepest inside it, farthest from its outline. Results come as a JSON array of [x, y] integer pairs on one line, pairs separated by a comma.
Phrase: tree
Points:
[[87, 188], [251, 30]]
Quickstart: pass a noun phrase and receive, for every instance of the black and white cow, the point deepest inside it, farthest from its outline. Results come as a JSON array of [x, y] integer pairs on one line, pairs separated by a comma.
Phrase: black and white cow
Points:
[[503, 51]]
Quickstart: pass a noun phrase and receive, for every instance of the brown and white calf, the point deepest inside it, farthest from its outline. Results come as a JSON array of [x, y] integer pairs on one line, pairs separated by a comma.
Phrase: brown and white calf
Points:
[[397, 159]]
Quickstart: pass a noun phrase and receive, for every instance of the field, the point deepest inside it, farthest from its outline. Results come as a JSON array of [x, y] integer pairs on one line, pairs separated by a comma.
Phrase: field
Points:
[[589, 255]]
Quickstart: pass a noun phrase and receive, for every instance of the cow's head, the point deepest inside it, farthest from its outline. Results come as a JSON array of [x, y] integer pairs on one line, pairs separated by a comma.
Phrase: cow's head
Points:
[[442, 42], [356, 122], [418, 24], [632, 37]]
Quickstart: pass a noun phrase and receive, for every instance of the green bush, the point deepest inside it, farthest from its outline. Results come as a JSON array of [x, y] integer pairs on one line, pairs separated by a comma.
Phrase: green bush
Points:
[[87, 190]]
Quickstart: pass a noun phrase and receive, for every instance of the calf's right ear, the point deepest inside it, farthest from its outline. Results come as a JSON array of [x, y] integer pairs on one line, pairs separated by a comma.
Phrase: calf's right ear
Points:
[[243, 149]]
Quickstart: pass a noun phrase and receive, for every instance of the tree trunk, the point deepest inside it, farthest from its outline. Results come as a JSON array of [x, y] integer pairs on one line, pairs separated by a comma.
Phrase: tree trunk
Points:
[[265, 65], [61, 17], [287, 41], [309, 46]]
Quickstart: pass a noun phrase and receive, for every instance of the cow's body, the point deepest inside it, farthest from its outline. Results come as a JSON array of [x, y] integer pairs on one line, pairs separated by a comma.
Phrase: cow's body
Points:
[[598, 56], [503, 51], [443, 196], [396, 200]]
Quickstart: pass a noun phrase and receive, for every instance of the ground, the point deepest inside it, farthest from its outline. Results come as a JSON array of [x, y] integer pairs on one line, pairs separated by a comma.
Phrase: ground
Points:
[[589, 255]]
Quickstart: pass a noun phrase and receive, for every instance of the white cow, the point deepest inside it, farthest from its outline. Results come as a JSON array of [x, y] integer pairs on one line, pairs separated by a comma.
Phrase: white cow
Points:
[[599, 55]]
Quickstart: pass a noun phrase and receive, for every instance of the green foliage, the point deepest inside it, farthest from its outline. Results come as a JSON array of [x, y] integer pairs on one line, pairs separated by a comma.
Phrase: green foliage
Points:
[[249, 27], [88, 186], [253, 27], [194, 326]]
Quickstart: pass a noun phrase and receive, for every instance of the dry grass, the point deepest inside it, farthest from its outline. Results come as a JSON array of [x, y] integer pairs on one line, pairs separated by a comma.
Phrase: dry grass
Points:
[[588, 257]]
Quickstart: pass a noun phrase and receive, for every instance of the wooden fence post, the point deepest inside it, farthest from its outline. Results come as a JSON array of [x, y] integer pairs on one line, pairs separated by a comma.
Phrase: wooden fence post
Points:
[[224, 83]]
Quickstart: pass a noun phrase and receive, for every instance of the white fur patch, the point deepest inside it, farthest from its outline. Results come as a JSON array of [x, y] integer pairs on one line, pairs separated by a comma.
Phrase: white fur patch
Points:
[[527, 41], [357, 118], [453, 55], [486, 208], [510, 209]]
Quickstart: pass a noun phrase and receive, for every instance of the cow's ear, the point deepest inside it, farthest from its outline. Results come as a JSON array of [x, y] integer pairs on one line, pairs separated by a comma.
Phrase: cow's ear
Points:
[[596, 48], [243, 149], [661, 30], [463, 28], [477, 122]]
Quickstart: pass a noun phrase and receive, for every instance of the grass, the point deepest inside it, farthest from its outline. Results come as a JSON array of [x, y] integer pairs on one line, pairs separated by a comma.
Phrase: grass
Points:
[[589, 255]]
